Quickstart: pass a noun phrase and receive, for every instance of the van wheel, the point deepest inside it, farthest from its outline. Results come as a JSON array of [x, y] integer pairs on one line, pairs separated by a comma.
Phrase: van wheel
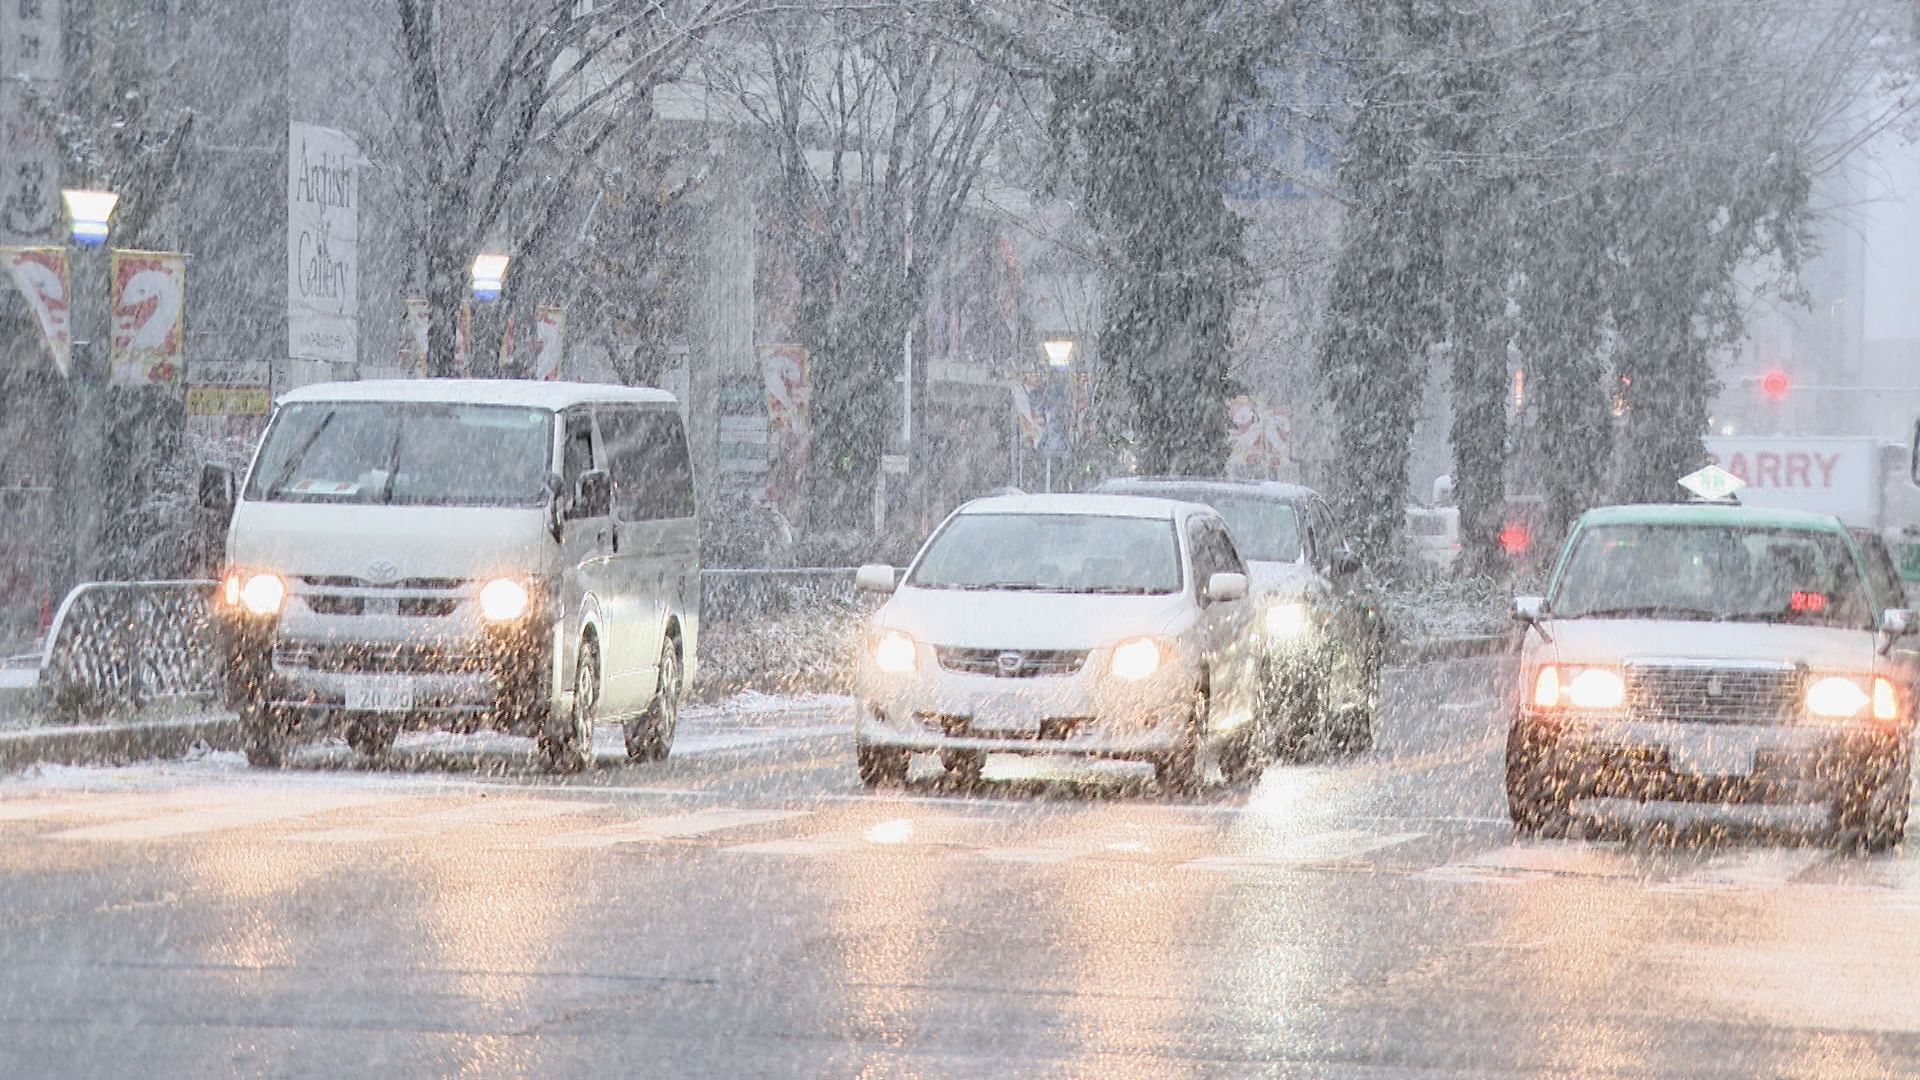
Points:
[[571, 749], [650, 735]]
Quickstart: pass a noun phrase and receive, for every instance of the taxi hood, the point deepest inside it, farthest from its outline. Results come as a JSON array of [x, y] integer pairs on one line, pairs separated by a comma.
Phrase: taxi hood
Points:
[[385, 543], [1029, 620], [1612, 641]]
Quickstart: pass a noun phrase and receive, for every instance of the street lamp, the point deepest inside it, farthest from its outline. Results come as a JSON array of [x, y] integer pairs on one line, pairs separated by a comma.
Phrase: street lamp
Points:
[[89, 212], [1059, 351], [489, 275]]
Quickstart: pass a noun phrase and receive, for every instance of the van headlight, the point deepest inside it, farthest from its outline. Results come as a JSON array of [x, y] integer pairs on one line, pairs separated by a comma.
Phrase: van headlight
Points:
[[1135, 659], [504, 600], [895, 652], [259, 593], [1286, 620]]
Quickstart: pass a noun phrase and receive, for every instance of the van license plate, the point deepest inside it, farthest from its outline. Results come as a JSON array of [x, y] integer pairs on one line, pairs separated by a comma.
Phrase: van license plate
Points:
[[380, 695], [1716, 757]]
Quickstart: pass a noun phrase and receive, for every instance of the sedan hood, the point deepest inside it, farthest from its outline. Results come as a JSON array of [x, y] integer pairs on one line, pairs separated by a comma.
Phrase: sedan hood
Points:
[[1281, 580], [379, 543], [1028, 620], [1611, 641]]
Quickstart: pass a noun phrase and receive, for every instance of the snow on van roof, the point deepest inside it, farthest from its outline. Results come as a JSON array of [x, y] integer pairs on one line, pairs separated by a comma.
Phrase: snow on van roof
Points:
[[525, 392], [1133, 506]]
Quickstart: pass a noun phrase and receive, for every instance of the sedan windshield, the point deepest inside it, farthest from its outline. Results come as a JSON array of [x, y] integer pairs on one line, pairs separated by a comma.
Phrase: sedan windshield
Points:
[[410, 454], [1712, 573], [1071, 553]]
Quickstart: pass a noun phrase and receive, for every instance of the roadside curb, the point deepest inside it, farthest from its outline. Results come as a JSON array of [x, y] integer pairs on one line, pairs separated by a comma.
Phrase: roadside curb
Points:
[[87, 744], [1456, 648]]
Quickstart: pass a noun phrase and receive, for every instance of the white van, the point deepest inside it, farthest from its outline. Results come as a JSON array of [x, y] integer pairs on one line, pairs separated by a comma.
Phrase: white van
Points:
[[460, 553]]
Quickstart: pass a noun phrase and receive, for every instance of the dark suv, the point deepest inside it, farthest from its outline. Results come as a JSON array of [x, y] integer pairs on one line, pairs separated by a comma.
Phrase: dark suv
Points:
[[1324, 635]]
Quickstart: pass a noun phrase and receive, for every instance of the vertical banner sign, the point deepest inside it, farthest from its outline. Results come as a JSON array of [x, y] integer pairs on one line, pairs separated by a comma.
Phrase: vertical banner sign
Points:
[[1259, 436], [323, 240], [1031, 428], [149, 298], [783, 369], [42, 277], [549, 342], [31, 52], [419, 320]]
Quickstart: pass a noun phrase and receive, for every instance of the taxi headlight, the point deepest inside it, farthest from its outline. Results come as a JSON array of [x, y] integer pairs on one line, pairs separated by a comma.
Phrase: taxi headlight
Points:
[[1840, 697], [504, 599], [1135, 659], [1287, 619], [894, 652], [1886, 700], [1591, 689], [262, 594]]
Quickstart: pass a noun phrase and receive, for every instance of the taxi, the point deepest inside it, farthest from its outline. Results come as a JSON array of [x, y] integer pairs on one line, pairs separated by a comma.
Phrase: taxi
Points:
[[1715, 653]]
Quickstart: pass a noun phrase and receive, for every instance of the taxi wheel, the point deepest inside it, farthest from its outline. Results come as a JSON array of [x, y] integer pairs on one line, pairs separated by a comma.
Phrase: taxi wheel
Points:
[[571, 751], [881, 767], [265, 729], [964, 767], [1873, 816], [370, 738], [1539, 797]]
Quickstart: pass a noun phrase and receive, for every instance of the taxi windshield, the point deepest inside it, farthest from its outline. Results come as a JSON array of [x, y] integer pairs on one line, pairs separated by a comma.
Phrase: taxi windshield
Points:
[[1712, 574]]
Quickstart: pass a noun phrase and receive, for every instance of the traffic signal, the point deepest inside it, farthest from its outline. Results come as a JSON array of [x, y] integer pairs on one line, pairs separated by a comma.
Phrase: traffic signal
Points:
[[1775, 386]]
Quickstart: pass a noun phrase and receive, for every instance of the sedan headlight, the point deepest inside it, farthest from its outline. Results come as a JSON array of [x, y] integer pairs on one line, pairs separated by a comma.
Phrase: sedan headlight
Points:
[[1287, 619], [260, 594], [1590, 689], [504, 600], [1135, 659], [895, 652], [1845, 697]]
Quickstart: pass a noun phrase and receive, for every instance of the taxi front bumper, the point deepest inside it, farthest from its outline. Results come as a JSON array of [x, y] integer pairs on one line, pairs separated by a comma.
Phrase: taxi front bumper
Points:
[[1609, 757]]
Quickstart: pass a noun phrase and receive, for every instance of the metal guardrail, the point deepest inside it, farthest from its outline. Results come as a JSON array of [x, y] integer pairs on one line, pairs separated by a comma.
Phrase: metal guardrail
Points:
[[118, 645]]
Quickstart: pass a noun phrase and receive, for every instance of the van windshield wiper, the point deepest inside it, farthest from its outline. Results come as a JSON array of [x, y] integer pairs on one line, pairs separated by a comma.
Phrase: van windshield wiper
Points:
[[299, 455]]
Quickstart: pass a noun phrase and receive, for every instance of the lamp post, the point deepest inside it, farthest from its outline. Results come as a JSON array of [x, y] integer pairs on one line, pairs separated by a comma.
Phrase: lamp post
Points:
[[1059, 349], [489, 281], [89, 217]]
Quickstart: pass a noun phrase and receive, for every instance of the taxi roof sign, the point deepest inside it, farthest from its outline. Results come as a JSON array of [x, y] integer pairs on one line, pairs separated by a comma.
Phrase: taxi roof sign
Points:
[[1712, 483]]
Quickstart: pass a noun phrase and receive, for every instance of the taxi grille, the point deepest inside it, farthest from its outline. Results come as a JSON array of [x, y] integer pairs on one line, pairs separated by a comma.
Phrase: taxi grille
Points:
[[1713, 695], [1011, 663]]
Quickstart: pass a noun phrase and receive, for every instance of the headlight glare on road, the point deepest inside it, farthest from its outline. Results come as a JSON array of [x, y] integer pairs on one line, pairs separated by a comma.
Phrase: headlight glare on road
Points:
[[1838, 697], [504, 600], [1590, 689], [1287, 619], [262, 594], [894, 652], [1135, 659]]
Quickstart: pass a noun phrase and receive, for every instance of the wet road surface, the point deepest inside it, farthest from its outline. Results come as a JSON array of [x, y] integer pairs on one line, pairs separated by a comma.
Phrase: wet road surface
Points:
[[748, 910]]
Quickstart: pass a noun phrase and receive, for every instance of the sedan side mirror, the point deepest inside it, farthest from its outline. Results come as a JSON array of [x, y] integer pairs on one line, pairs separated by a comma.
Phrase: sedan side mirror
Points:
[[1222, 588], [592, 495], [1345, 564], [218, 489], [874, 578]]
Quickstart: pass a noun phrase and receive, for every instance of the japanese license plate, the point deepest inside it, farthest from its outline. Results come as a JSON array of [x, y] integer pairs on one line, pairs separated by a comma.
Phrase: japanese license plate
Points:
[[1713, 755], [380, 694]]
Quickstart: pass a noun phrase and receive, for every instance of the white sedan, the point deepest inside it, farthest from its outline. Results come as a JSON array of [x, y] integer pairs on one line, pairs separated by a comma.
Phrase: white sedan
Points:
[[1090, 625]]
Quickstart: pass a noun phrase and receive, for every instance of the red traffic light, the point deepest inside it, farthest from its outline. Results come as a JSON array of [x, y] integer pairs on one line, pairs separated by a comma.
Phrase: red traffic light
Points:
[[1775, 385]]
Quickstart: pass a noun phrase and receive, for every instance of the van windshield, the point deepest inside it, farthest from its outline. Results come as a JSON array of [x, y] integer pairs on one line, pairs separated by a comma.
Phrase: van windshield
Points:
[[412, 454]]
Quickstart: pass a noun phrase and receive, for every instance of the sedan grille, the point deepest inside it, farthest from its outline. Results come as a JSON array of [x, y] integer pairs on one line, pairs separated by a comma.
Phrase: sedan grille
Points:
[[1713, 695], [1012, 663]]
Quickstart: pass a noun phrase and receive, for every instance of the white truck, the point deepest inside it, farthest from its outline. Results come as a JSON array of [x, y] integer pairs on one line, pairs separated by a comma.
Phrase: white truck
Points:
[[1865, 482]]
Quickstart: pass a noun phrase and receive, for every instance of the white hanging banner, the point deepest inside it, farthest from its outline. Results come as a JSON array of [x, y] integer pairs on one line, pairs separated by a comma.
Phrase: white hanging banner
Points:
[[43, 279], [549, 342]]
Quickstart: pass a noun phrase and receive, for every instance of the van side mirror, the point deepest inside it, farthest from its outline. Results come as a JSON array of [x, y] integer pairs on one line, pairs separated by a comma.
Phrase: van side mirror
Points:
[[219, 491], [874, 578], [592, 495], [1224, 588]]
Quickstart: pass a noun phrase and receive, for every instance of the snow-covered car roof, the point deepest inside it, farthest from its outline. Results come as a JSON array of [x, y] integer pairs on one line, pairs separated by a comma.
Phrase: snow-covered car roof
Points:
[[1754, 517], [537, 395], [1208, 485], [1093, 504]]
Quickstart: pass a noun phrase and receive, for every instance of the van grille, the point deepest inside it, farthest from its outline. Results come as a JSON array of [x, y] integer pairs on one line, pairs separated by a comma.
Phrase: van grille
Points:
[[387, 658]]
